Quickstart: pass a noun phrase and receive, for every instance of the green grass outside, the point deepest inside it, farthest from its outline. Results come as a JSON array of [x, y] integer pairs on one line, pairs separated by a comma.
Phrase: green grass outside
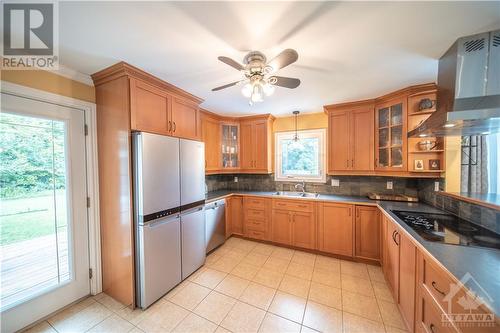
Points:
[[31, 217]]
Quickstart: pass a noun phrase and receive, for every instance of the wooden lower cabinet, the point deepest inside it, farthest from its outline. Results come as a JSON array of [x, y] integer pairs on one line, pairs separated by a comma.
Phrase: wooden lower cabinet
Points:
[[256, 217], [235, 209], [399, 266], [391, 262], [407, 271], [336, 228], [281, 227], [438, 294], [303, 230], [367, 233]]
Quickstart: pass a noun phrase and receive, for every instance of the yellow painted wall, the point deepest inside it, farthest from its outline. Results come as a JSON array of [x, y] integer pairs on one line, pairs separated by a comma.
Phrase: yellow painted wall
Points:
[[305, 121], [50, 82], [453, 163]]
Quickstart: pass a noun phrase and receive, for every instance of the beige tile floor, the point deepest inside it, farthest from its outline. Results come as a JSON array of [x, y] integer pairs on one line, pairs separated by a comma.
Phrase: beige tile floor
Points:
[[247, 286]]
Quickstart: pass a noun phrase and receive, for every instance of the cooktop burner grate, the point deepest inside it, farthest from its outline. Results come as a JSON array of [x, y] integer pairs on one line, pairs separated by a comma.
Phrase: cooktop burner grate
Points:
[[449, 229]]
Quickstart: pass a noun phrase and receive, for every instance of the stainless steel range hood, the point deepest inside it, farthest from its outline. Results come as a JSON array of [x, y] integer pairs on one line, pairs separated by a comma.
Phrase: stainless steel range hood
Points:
[[468, 97]]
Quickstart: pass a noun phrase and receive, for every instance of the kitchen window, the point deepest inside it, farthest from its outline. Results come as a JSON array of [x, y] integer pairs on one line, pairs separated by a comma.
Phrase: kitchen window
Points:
[[301, 159]]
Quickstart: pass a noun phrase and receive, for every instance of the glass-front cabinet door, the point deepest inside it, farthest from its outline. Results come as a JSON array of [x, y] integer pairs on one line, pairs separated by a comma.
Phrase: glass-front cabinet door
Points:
[[230, 144], [391, 135]]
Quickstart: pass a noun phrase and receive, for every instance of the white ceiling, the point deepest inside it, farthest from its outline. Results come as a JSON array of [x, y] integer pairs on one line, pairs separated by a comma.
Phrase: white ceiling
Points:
[[347, 50]]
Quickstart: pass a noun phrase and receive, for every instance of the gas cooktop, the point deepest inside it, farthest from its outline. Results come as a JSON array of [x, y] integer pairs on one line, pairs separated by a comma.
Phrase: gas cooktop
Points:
[[449, 229]]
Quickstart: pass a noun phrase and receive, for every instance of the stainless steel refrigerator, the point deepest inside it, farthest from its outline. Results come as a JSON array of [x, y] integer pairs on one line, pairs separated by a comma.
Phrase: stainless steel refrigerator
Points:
[[169, 197]]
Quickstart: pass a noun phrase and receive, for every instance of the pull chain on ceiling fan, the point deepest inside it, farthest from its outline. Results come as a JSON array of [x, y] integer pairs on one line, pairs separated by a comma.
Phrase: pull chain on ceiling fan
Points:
[[259, 76]]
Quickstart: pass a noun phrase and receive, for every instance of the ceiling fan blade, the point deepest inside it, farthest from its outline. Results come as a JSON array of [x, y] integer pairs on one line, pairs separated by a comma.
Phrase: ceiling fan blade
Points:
[[287, 82], [226, 86], [232, 63], [285, 58]]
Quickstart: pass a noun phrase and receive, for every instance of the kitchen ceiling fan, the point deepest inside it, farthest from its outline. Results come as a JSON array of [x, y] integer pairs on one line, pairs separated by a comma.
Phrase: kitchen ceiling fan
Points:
[[259, 74]]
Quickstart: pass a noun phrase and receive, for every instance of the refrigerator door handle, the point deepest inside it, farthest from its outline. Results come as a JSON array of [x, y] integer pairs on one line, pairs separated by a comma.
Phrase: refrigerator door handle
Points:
[[192, 210]]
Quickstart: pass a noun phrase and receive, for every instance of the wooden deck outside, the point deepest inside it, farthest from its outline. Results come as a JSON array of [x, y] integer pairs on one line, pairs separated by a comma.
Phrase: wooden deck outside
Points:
[[30, 266]]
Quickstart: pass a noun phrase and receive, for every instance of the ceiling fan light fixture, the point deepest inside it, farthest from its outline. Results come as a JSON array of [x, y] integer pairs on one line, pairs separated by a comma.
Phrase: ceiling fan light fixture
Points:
[[268, 89], [247, 90]]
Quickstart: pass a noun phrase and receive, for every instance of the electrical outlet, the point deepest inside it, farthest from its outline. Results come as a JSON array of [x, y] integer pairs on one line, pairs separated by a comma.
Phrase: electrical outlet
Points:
[[389, 185], [436, 186], [235, 179], [335, 182]]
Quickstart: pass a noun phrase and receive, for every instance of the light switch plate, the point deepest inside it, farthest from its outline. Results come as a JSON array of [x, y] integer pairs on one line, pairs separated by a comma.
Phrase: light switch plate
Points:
[[389, 185], [235, 179], [436, 186], [335, 182]]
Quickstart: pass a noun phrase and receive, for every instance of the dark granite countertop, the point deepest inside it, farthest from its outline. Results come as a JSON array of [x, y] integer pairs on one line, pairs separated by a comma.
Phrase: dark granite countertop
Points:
[[482, 263]]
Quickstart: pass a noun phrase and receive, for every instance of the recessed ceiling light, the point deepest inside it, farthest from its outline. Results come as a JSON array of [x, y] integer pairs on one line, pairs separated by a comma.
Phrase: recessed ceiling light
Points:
[[422, 135], [485, 133], [449, 125]]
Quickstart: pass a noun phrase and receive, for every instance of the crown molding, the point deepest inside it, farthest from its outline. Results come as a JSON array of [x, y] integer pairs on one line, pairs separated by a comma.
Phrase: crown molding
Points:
[[73, 75]]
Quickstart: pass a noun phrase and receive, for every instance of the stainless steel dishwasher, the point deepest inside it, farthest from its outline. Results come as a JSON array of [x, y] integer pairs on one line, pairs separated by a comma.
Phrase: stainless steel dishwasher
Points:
[[215, 224]]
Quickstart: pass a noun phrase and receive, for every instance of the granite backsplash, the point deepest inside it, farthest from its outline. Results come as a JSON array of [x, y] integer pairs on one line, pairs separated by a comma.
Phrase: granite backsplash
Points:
[[484, 216], [349, 185], [361, 186]]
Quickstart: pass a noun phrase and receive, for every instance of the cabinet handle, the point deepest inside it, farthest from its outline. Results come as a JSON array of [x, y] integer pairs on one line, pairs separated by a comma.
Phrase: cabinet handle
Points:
[[395, 235], [175, 126], [169, 126], [352, 163], [376, 162], [434, 285], [347, 163], [432, 328]]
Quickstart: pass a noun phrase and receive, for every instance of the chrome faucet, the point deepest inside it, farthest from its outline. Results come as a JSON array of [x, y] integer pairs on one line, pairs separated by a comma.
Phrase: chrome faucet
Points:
[[302, 186]]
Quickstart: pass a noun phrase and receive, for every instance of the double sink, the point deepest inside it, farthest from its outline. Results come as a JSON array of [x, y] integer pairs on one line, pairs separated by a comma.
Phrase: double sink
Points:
[[296, 194]]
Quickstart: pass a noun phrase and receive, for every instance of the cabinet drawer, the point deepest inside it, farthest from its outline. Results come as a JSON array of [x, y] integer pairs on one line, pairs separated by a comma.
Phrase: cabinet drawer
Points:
[[257, 225], [255, 214], [431, 317], [293, 205], [437, 283], [258, 203], [256, 234]]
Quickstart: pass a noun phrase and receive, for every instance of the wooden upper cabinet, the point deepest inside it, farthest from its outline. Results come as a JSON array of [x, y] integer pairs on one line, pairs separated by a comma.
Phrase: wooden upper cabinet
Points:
[[255, 142], [261, 146], [185, 119], [210, 135], [367, 233], [335, 226], [149, 108], [247, 149], [391, 135], [230, 145], [362, 139], [338, 137], [350, 133]]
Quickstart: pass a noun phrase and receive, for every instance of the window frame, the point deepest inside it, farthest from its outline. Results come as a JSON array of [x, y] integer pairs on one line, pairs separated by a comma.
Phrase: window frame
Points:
[[319, 133]]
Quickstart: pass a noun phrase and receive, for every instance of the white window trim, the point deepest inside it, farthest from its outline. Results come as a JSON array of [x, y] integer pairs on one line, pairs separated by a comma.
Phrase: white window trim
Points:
[[321, 132]]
